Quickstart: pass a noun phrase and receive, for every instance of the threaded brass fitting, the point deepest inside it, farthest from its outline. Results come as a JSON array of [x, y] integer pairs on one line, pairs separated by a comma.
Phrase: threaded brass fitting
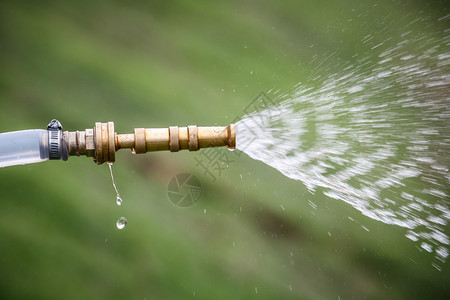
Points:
[[101, 142]]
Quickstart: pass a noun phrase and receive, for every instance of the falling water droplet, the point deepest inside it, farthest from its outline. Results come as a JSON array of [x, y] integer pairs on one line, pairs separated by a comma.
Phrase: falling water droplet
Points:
[[121, 223], [118, 198]]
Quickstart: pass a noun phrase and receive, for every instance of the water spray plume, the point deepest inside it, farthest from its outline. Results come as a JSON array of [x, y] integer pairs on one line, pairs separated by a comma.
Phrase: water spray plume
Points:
[[375, 135]]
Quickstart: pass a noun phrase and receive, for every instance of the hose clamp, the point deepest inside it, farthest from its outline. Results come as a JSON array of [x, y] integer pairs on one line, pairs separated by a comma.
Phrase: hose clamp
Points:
[[57, 145]]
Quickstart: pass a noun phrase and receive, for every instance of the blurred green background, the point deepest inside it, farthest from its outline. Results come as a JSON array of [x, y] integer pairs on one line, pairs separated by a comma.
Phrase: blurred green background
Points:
[[254, 233]]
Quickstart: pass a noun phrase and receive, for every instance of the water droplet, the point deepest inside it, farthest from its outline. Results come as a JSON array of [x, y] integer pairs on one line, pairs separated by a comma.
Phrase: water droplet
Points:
[[121, 223], [119, 199], [436, 266]]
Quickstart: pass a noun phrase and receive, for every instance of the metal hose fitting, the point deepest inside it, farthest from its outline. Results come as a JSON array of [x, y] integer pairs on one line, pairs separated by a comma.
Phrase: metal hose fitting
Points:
[[102, 142], [57, 148]]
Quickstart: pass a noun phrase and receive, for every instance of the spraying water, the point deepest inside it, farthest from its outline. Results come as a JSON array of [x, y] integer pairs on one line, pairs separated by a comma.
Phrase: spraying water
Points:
[[376, 135]]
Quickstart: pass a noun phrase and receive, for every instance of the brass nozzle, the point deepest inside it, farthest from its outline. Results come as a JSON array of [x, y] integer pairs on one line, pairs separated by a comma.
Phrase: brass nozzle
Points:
[[101, 142]]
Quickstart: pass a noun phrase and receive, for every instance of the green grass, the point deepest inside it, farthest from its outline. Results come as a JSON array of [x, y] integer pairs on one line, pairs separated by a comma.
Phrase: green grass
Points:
[[161, 64]]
